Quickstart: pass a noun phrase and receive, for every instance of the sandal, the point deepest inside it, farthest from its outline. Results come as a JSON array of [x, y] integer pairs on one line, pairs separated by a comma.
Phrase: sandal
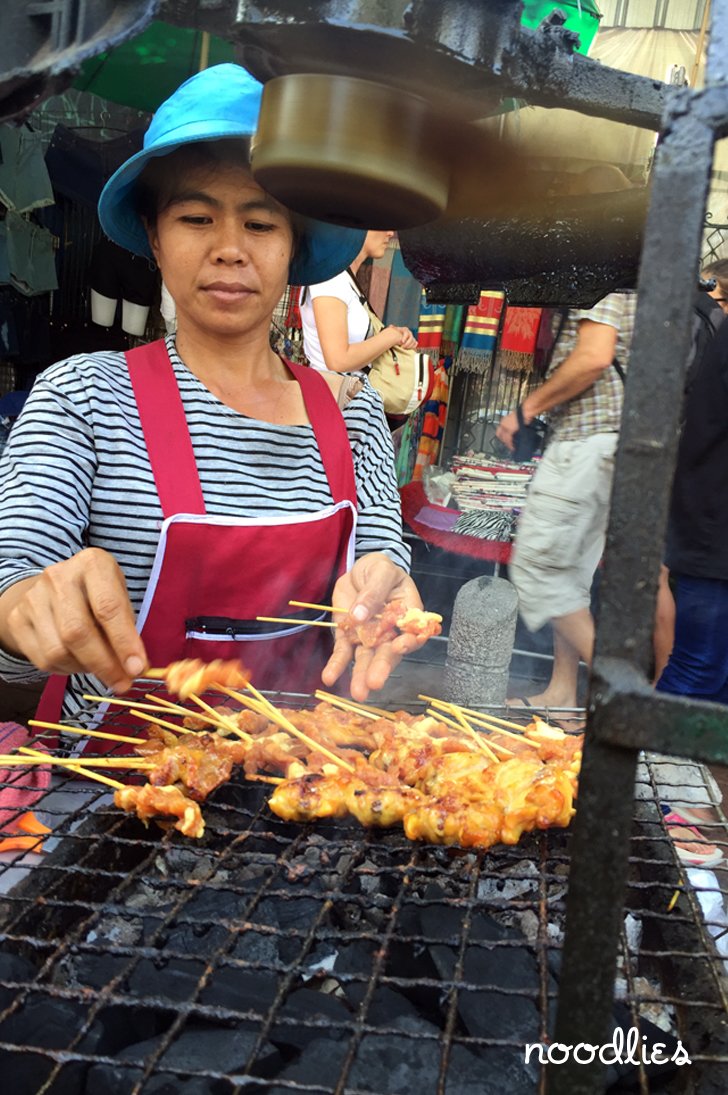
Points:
[[690, 857]]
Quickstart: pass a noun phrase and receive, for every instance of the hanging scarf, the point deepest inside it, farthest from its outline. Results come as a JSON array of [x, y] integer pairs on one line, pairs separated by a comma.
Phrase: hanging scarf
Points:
[[518, 339], [429, 331], [480, 334], [453, 329]]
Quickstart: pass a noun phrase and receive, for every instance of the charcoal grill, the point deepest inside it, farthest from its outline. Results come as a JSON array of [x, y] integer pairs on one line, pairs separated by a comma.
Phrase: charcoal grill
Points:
[[324, 958]]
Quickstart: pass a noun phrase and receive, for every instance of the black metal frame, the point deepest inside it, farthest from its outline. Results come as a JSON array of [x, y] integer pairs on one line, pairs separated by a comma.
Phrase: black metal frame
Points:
[[624, 712]]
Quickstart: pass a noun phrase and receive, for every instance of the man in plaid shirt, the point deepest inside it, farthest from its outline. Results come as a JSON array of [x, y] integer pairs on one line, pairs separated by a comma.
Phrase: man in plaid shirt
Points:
[[561, 532]]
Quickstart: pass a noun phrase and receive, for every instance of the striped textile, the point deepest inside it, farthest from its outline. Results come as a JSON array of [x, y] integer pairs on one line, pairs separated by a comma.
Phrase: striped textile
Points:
[[431, 324], [481, 334], [76, 473]]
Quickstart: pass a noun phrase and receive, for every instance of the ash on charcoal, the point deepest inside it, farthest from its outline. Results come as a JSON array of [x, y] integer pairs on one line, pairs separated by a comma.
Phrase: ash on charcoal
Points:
[[319, 1007], [517, 880]]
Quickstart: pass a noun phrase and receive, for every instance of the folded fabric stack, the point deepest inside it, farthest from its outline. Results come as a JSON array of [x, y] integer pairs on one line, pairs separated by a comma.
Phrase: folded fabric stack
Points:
[[490, 493]]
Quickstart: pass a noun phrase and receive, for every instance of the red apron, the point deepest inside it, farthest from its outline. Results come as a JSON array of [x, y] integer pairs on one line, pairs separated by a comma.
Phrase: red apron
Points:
[[212, 575]]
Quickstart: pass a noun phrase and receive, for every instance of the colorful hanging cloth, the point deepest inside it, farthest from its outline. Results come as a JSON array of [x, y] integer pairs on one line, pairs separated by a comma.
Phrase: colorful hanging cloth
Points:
[[431, 323], [518, 339], [480, 334], [453, 329]]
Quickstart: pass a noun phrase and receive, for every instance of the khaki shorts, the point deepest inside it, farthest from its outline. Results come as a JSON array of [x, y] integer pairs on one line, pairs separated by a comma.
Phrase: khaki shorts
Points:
[[562, 529]]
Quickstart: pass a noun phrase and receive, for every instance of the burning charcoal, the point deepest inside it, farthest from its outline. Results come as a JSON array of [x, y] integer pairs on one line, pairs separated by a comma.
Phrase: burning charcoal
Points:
[[321, 1065], [14, 968], [490, 1071], [241, 990], [320, 1007]]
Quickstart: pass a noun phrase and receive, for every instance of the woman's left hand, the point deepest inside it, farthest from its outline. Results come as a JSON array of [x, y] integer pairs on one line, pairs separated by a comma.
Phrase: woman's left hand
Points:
[[364, 590]]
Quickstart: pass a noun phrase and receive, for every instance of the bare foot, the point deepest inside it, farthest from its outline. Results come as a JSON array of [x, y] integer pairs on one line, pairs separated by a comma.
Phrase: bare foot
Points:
[[690, 843]]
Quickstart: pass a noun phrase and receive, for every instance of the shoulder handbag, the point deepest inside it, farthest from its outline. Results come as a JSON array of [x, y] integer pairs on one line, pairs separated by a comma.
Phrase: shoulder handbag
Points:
[[403, 378]]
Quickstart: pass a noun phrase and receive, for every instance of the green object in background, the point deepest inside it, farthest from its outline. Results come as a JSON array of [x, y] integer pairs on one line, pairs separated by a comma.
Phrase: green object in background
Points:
[[144, 71], [583, 17]]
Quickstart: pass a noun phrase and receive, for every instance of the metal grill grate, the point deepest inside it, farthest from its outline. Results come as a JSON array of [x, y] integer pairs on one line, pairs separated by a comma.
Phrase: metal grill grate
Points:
[[325, 958]]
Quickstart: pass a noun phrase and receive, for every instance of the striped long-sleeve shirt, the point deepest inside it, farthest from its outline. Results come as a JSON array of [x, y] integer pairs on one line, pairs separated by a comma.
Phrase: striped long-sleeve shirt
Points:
[[76, 473]]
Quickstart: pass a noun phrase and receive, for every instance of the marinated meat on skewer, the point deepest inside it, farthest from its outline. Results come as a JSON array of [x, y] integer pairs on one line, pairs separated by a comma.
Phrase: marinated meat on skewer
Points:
[[151, 802], [200, 763], [318, 796], [395, 618], [191, 676]]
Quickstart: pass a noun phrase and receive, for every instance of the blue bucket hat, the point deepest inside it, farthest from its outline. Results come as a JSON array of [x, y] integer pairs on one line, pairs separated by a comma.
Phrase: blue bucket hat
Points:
[[219, 102]]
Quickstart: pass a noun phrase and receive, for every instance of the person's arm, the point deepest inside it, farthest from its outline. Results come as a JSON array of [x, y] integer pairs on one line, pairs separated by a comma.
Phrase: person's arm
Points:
[[593, 354], [63, 607], [342, 356]]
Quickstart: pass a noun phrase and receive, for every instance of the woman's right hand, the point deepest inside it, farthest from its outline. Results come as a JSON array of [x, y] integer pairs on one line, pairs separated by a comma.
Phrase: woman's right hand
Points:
[[405, 340], [75, 617]]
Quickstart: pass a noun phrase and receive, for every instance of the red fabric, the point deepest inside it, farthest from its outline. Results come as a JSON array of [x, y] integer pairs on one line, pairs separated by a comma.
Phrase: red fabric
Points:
[[165, 429], [413, 498], [21, 787], [520, 329]]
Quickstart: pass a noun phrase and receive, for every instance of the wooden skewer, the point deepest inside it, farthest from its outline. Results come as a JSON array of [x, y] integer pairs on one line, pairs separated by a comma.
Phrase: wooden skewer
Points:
[[280, 719], [153, 674], [505, 733], [160, 722], [464, 727], [323, 608], [482, 745], [302, 623], [36, 756], [364, 709], [157, 705], [471, 711], [88, 733], [115, 783], [435, 714], [79, 729], [222, 720], [264, 779]]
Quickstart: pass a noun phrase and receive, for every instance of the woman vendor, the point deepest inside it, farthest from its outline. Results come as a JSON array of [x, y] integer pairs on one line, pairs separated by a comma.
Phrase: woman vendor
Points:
[[153, 504]]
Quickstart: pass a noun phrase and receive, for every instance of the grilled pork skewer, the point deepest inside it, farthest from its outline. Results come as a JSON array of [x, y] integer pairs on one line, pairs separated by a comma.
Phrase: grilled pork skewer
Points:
[[192, 676]]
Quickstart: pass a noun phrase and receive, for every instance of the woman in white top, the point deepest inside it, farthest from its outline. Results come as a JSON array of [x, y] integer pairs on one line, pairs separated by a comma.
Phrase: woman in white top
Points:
[[336, 323]]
